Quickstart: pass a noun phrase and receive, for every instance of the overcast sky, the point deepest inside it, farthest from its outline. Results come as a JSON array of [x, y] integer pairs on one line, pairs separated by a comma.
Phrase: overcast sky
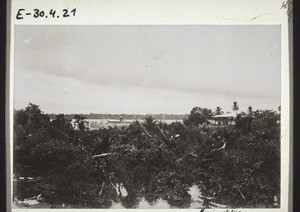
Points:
[[146, 69]]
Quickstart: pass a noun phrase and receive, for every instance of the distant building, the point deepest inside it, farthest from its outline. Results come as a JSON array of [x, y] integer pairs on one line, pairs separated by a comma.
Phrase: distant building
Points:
[[227, 119]]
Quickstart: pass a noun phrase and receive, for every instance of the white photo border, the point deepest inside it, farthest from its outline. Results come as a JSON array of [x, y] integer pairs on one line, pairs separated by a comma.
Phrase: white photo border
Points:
[[166, 12]]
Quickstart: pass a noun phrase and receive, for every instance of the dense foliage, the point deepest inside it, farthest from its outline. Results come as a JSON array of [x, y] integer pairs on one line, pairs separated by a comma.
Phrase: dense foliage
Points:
[[198, 116], [238, 166]]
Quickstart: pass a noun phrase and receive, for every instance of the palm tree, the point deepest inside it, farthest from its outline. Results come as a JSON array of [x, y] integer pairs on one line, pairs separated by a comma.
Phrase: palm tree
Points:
[[218, 111], [235, 107], [105, 141], [149, 123], [250, 109]]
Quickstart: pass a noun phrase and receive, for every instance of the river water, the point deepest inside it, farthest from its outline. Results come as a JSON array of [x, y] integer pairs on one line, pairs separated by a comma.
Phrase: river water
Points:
[[94, 124], [196, 201]]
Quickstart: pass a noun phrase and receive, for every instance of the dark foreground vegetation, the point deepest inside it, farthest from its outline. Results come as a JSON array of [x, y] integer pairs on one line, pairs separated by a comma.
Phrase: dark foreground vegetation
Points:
[[238, 166]]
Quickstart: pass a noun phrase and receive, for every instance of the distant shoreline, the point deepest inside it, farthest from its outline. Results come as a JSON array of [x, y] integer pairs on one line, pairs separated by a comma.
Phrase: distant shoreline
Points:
[[125, 116]]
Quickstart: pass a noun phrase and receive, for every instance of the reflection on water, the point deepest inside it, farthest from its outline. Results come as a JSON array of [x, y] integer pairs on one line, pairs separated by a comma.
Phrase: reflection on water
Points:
[[121, 190], [143, 204], [163, 204], [196, 201], [132, 201]]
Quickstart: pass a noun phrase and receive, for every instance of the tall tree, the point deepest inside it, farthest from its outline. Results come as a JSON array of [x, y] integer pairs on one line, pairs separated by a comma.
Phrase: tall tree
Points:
[[32, 119], [250, 110], [198, 116], [218, 111], [150, 123], [235, 107], [80, 122], [61, 127]]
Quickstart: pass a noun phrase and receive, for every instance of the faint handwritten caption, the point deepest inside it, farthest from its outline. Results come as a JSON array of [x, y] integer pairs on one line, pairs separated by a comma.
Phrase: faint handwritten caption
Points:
[[226, 210], [37, 13]]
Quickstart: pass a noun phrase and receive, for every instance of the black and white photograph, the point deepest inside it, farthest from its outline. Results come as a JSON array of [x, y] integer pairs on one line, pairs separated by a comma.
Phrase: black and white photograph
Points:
[[147, 116], [167, 105]]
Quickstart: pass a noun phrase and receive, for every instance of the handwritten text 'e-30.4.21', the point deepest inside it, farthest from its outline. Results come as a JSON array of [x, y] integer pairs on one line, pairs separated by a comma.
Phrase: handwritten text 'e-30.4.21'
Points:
[[37, 13]]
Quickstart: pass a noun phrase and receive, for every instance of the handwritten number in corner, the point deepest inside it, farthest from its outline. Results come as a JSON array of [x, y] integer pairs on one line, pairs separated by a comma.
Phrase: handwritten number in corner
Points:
[[65, 13], [73, 11], [52, 12], [38, 13], [288, 5]]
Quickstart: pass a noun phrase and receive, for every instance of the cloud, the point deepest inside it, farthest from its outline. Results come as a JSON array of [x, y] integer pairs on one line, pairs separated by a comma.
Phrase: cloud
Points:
[[204, 61]]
